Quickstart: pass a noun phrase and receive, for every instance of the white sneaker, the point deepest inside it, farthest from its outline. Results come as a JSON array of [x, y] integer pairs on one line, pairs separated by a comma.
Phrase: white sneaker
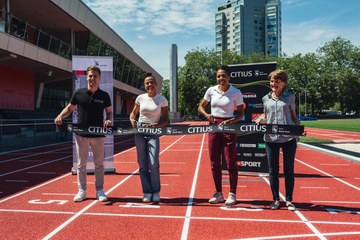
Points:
[[156, 197], [290, 206], [217, 198], [231, 200], [147, 197], [100, 195], [80, 196]]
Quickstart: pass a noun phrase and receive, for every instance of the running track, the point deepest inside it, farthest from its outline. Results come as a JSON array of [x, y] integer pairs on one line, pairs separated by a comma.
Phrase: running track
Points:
[[37, 190]]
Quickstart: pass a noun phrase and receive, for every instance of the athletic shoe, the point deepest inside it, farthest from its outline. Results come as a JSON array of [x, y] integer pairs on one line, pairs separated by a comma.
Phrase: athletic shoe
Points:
[[156, 197], [231, 200], [290, 206], [101, 196], [80, 196], [147, 197], [275, 205], [217, 198]]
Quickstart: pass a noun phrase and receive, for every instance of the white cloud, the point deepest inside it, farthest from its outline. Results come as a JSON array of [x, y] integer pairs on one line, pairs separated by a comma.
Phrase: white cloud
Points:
[[158, 17]]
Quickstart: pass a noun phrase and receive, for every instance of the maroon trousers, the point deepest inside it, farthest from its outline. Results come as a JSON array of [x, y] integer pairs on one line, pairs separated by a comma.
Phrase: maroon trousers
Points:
[[219, 142]]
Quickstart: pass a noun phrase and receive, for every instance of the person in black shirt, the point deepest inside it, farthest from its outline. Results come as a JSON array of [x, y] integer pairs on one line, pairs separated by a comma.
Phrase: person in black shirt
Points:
[[91, 103]]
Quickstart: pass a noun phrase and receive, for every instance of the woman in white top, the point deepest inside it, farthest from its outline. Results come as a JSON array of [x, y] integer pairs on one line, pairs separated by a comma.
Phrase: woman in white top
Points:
[[223, 99], [153, 109]]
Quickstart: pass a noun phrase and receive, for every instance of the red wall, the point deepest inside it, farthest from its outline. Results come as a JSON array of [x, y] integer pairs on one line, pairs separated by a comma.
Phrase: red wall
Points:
[[16, 89]]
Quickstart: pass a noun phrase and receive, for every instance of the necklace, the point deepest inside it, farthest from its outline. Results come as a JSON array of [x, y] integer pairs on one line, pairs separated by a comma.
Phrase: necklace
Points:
[[273, 95]]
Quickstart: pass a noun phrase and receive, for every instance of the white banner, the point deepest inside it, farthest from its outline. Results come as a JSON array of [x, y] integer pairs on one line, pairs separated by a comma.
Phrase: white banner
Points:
[[79, 66]]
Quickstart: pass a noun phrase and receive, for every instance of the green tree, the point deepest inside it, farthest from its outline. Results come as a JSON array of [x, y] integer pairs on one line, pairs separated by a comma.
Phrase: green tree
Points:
[[195, 77], [340, 70], [165, 89], [303, 78]]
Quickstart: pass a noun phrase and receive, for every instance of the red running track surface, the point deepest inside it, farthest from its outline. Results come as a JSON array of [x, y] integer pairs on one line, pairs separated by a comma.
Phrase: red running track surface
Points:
[[37, 191]]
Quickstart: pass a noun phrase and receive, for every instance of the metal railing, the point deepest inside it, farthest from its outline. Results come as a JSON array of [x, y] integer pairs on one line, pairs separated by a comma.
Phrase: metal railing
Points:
[[35, 35]]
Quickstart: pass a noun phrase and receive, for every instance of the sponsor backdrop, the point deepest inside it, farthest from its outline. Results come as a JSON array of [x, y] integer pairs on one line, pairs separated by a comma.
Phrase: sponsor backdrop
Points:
[[79, 66], [252, 80]]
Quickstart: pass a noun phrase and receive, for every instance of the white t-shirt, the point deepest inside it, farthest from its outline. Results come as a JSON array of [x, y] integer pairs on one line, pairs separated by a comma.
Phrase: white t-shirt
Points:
[[223, 104], [150, 107]]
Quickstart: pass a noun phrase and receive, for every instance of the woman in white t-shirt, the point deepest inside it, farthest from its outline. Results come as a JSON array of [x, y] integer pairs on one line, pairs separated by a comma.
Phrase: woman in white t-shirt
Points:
[[153, 109], [223, 99]]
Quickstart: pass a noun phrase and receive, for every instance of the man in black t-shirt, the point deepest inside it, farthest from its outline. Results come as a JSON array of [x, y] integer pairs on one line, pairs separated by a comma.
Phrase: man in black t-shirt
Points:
[[91, 103]]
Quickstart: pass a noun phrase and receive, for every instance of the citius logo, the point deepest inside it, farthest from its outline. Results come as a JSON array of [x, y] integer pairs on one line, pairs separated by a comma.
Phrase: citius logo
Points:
[[241, 74], [100, 130], [205, 129], [150, 130], [253, 128]]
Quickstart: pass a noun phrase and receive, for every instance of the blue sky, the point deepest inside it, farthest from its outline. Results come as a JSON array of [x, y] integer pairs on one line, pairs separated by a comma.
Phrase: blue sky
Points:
[[151, 26]]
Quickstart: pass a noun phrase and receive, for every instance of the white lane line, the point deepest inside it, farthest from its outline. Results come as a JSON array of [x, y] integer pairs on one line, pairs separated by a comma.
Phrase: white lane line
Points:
[[16, 181], [32, 155], [342, 202], [185, 230], [82, 211], [329, 175], [181, 217], [59, 194], [300, 236], [31, 189], [36, 211], [59, 228], [34, 166], [46, 183], [140, 197], [45, 173], [303, 218], [30, 161], [315, 187]]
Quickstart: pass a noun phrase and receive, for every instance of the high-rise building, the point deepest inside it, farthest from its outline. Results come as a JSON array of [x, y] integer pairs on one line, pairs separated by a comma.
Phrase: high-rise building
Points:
[[246, 26]]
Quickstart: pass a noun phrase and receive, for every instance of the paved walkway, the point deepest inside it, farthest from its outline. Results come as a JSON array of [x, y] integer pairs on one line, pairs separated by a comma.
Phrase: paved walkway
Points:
[[349, 151]]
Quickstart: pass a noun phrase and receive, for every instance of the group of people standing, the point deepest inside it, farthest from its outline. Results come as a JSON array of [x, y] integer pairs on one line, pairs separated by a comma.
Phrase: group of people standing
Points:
[[227, 106]]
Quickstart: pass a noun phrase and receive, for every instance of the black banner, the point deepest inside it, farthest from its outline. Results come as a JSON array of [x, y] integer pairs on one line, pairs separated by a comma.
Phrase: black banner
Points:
[[238, 128], [252, 80]]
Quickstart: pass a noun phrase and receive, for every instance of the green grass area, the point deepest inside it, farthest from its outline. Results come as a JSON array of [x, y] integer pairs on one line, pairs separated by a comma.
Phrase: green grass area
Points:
[[313, 140], [351, 125]]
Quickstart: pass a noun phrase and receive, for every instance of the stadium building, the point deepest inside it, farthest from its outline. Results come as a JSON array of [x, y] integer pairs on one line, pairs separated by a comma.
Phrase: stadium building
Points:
[[37, 42]]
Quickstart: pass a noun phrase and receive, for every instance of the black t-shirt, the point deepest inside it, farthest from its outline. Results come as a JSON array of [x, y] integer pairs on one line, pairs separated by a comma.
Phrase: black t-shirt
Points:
[[90, 107]]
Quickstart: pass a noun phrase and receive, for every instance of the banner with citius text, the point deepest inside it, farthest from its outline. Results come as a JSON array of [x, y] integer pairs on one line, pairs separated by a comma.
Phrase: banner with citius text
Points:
[[252, 80], [79, 66]]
